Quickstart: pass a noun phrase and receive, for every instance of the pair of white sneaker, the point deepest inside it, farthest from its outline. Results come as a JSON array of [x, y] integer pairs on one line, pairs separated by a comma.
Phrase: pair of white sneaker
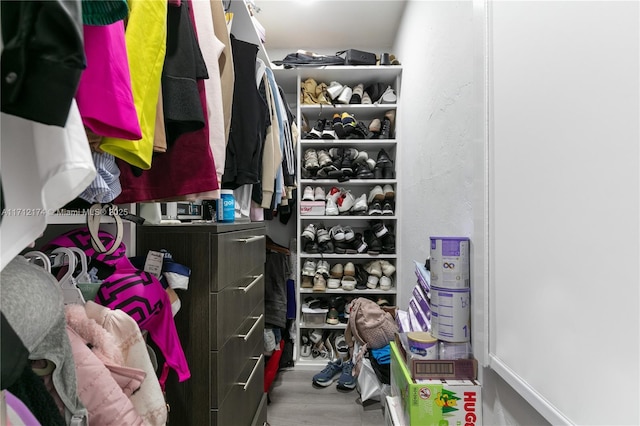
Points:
[[381, 193], [313, 194]]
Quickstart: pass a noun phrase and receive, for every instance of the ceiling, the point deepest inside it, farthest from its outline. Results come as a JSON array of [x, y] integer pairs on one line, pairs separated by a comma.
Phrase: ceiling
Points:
[[324, 26]]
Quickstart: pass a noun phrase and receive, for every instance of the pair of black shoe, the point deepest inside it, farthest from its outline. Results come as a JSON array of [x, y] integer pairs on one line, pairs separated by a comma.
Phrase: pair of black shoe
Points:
[[384, 168], [379, 238], [353, 246]]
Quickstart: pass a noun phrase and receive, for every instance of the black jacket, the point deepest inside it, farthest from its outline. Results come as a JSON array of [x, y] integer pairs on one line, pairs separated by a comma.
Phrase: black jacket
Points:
[[42, 59]]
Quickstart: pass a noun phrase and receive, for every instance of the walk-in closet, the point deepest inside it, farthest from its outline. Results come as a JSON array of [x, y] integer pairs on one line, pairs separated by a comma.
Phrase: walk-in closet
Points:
[[297, 212]]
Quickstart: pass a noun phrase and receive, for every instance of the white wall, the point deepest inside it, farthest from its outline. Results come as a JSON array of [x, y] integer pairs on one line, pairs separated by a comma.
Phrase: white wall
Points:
[[440, 45]]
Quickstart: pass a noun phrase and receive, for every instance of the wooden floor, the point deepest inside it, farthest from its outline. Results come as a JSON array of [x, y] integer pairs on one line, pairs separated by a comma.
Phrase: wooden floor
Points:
[[295, 402]]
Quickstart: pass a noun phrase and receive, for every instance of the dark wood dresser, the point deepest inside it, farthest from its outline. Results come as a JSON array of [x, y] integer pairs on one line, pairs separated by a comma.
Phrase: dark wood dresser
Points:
[[220, 323]]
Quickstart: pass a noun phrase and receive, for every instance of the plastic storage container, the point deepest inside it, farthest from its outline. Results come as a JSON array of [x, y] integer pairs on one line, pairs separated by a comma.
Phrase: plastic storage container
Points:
[[226, 208]]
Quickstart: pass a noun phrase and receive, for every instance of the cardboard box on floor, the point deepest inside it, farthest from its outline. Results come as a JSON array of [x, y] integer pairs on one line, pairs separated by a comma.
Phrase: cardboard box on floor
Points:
[[434, 402], [463, 368]]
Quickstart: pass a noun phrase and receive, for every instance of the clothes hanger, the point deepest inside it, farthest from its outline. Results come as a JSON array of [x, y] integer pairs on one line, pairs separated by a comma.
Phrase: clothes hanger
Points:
[[35, 255], [273, 246], [70, 292], [83, 276]]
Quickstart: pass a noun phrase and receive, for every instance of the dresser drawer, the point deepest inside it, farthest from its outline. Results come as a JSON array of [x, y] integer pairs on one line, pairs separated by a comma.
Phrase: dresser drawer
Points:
[[230, 307], [236, 255], [228, 363], [241, 406]]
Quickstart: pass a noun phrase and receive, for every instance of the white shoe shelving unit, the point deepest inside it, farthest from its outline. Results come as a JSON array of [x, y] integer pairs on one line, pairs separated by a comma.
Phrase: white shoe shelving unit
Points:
[[291, 81]]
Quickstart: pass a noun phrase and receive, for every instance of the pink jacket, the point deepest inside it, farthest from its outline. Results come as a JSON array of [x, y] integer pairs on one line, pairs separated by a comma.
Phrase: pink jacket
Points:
[[104, 386]]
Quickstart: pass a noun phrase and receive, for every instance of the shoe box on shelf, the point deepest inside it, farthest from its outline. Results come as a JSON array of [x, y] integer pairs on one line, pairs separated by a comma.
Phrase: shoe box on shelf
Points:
[[348, 187]]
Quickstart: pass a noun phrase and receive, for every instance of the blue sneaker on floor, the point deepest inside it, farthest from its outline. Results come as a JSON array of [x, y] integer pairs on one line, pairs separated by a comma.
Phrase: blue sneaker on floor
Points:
[[328, 374], [346, 381]]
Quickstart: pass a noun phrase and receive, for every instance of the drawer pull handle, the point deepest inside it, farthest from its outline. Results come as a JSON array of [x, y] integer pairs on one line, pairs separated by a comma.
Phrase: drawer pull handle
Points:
[[253, 372], [253, 328], [250, 239], [256, 278]]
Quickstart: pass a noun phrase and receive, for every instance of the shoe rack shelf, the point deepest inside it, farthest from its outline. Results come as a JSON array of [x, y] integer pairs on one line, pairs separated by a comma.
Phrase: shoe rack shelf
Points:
[[351, 76]]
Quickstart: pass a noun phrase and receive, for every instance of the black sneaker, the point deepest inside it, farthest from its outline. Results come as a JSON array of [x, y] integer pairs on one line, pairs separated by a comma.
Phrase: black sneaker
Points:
[[388, 243], [378, 228], [387, 209], [375, 209], [359, 244], [361, 277], [316, 132], [374, 244]]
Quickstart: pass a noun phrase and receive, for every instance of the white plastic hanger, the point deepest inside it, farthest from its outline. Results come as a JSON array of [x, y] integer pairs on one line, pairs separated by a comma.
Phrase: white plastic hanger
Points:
[[83, 276], [71, 293], [36, 255]]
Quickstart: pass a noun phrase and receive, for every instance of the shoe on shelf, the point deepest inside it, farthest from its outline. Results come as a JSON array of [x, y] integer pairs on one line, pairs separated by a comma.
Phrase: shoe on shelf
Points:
[[361, 277], [323, 268], [360, 206], [387, 209], [338, 127], [389, 96], [389, 193], [337, 233], [334, 193], [331, 208], [326, 247], [322, 235], [305, 350], [346, 381], [324, 159], [328, 374], [311, 160], [328, 132], [375, 209], [334, 89], [388, 125], [309, 233], [362, 171], [356, 96], [378, 228], [309, 268], [333, 283], [345, 95], [348, 283], [388, 243], [385, 283], [311, 247], [345, 202], [349, 123], [372, 282], [307, 195], [337, 271], [375, 127], [359, 244], [373, 268], [366, 99], [387, 267], [349, 234], [307, 281], [349, 269], [319, 283], [375, 247], [316, 131], [319, 350], [376, 193], [315, 336], [332, 316], [341, 347], [318, 194]]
